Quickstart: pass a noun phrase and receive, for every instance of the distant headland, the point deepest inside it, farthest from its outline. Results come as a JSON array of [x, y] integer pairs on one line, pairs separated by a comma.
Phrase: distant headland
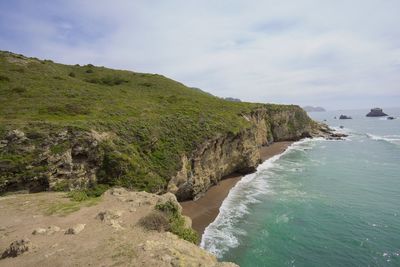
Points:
[[314, 109]]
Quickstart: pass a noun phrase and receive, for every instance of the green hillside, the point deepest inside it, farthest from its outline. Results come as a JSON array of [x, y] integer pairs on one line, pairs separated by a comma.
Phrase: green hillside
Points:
[[153, 119]]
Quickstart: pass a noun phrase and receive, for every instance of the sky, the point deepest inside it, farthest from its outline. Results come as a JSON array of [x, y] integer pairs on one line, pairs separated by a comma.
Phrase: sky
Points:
[[336, 54]]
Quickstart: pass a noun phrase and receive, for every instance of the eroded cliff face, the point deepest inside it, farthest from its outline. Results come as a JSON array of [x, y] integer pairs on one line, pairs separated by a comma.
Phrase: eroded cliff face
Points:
[[67, 159], [225, 154]]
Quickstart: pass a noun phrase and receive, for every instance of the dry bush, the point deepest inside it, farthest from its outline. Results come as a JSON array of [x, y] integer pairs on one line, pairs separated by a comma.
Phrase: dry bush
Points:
[[155, 221]]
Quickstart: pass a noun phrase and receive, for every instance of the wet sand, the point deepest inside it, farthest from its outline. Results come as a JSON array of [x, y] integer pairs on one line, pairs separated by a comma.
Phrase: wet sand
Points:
[[204, 210]]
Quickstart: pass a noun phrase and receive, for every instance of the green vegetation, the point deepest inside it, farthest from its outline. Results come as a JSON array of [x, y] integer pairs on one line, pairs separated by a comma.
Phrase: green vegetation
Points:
[[88, 194], [177, 222], [77, 199], [63, 208], [153, 120]]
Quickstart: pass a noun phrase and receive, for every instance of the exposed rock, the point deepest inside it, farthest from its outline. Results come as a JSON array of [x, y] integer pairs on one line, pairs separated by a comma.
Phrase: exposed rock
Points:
[[344, 117], [108, 215], [76, 229], [16, 248], [3, 143], [16, 136], [376, 112], [390, 118], [65, 160], [336, 136], [39, 231], [53, 229], [49, 231]]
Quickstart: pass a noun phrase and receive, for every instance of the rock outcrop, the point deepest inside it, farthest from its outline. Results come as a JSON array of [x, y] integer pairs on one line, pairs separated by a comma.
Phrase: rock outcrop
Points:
[[62, 160], [376, 112], [16, 248]]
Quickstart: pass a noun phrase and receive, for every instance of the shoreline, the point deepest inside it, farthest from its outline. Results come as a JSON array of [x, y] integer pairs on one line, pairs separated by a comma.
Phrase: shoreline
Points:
[[204, 210]]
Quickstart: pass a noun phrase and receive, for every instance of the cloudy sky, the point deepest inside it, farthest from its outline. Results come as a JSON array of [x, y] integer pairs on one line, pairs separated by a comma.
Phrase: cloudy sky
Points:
[[337, 54]]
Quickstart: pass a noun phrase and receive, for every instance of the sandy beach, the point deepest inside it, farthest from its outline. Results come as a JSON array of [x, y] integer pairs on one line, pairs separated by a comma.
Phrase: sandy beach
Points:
[[204, 210]]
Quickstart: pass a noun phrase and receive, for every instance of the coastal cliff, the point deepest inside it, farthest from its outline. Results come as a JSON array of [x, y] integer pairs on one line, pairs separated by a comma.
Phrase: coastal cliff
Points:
[[73, 127], [225, 154]]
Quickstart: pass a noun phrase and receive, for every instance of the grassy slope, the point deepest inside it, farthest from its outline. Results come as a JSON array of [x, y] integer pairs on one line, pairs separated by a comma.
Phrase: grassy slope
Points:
[[155, 118]]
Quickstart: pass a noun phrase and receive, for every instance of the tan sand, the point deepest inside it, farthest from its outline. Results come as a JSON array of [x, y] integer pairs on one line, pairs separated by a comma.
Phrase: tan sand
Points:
[[204, 210]]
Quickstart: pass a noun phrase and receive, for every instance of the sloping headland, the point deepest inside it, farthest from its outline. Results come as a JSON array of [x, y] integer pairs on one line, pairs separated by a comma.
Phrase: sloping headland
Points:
[[85, 129]]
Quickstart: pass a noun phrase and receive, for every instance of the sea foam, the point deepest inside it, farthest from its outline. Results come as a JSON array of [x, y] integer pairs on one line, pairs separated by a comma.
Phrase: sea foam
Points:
[[394, 139]]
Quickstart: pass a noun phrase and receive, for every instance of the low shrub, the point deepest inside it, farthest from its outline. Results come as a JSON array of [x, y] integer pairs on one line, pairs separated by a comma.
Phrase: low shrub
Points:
[[4, 78], [60, 148], [169, 208], [20, 70], [109, 80], [156, 221], [61, 186], [76, 109], [146, 84], [86, 194], [19, 90], [71, 74]]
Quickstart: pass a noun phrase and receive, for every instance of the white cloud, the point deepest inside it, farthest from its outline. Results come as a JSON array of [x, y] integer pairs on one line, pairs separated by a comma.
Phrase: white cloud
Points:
[[305, 52]]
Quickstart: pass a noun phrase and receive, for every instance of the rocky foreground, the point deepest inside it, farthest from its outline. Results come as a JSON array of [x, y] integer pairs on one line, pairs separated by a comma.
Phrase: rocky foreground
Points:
[[47, 229]]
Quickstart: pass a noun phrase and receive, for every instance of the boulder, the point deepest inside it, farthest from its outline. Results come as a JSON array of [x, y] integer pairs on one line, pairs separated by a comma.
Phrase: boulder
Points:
[[76, 229], [16, 248], [108, 215], [16, 136], [39, 231]]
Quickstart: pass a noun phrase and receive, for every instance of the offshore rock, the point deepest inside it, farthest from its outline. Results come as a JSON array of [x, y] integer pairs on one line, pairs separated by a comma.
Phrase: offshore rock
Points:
[[376, 112], [344, 117]]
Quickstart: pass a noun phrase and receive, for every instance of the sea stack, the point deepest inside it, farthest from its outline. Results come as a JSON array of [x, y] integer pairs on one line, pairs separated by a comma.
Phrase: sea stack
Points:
[[344, 117], [376, 112]]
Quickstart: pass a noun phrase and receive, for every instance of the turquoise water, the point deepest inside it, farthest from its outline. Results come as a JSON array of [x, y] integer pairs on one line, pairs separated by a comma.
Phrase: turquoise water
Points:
[[321, 203]]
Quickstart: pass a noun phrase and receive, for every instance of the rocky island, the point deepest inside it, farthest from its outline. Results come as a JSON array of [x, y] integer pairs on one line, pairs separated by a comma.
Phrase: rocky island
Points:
[[376, 112], [111, 152]]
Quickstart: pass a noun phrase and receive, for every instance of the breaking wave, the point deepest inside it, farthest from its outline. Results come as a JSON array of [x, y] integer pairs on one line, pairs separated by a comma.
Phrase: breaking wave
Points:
[[223, 234]]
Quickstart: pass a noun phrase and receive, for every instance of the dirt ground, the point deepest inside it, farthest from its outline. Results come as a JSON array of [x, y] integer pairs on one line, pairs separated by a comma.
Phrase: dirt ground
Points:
[[109, 232]]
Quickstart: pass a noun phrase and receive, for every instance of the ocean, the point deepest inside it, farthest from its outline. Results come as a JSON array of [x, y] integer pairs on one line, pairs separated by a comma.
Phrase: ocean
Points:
[[320, 203]]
